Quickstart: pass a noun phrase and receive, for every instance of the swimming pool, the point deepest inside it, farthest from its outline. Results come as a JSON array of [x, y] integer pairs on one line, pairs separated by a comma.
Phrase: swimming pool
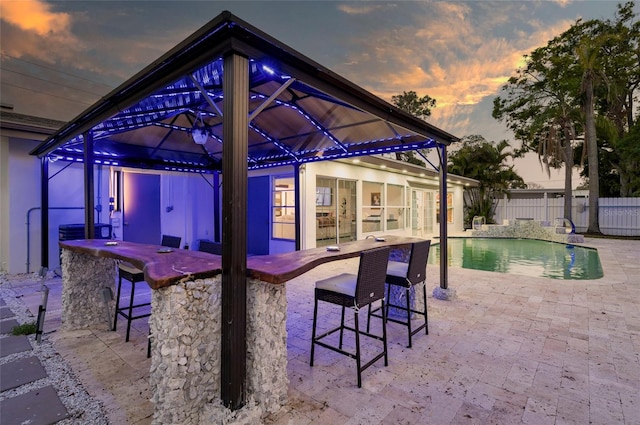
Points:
[[527, 257]]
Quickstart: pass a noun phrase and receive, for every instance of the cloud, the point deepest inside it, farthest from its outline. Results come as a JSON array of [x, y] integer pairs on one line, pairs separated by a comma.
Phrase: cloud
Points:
[[459, 55], [34, 30], [562, 3], [36, 16], [361, 9]]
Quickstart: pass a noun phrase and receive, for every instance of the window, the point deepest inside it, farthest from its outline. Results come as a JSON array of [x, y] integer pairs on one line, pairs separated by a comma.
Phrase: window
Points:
[[449, 207], [283, 215], [373, 206], [324, 196], [395, 207], [335, 210]]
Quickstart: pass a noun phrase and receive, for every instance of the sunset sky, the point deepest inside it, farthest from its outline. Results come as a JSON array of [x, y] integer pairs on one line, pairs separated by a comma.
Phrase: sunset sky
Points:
[[58, 58]]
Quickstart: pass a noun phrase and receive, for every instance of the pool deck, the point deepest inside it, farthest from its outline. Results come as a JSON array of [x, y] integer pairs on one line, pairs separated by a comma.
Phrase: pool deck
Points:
[[508, 349]]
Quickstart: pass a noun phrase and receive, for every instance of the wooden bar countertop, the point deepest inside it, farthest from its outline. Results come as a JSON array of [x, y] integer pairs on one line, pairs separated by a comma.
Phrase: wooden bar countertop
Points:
[[163, 269]]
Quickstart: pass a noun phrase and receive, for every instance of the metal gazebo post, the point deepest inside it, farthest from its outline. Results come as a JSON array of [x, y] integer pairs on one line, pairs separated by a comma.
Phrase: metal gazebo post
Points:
[[44, 211], [234, 230], [89, 190], [443, 292]]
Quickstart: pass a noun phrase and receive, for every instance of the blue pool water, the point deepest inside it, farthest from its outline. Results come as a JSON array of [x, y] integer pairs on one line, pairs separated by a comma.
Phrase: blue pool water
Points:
[[527, 257]]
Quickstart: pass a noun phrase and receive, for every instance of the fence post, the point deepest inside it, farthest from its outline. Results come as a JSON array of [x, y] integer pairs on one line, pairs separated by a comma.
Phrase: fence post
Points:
[[546, 207], [504, 208]]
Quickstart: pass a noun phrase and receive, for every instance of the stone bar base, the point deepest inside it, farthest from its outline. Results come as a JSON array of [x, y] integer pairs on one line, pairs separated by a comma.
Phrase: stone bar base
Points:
[[185, 367], [185, 335], [85, 277]]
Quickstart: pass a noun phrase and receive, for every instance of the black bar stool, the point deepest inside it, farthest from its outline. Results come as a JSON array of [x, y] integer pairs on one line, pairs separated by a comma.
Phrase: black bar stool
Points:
[[408, 275], [134, 275], [349, 290]]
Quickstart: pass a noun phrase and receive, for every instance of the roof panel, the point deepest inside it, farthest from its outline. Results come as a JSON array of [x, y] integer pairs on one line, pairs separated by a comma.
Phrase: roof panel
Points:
[[303, 111]]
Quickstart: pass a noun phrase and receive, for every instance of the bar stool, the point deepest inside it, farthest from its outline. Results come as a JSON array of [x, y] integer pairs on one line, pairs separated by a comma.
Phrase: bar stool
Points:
[[349, 290], [408, 275], [134, 275]]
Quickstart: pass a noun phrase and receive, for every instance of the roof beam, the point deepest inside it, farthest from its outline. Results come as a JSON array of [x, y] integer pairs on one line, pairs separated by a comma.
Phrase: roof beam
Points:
[[270, 99], [275, 141], [206, 95], [323, 129]]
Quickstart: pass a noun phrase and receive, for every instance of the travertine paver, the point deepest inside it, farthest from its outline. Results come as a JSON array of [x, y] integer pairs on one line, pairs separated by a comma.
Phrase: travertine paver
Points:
[[509, 349]]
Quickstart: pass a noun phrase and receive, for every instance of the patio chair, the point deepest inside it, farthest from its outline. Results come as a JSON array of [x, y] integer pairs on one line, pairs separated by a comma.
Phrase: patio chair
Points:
[[407, 276], [356, 292], [134, 275], [210, 247]]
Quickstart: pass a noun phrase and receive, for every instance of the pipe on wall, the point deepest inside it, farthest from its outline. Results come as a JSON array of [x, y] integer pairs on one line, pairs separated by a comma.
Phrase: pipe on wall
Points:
[[28, 263]]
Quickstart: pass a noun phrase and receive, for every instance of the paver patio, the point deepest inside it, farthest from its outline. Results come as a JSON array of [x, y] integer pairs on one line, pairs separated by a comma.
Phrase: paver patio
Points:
[[509, 349]]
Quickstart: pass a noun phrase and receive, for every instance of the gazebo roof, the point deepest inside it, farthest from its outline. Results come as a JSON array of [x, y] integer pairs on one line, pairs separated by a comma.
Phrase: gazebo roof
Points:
[[300, 111]]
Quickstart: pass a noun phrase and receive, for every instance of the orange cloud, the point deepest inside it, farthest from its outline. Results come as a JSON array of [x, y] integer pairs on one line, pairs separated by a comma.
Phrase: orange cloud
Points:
[[31, 29], [450, 57], [34, 15]]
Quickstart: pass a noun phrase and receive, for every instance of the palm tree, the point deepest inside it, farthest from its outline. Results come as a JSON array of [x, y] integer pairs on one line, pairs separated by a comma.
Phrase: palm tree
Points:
[[588, 52], [487, 163]]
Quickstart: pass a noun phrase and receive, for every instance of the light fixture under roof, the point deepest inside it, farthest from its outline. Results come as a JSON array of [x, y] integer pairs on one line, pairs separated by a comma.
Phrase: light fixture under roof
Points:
[[199, 133]]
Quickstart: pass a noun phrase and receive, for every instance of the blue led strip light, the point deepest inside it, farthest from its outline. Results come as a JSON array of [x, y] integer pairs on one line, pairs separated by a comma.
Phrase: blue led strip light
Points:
[[274, 141], [338, 154], [312, 121]]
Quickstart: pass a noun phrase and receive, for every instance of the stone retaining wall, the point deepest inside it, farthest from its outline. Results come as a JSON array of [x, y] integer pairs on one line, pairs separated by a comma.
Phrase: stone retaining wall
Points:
[[527, 229]]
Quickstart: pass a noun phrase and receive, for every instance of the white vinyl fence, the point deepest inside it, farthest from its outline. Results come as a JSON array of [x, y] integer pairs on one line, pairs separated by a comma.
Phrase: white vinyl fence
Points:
[[618, 216]]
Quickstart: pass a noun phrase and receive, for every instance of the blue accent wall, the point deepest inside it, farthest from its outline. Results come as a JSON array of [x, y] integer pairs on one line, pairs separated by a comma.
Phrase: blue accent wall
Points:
[[258, 223], [141, 214]]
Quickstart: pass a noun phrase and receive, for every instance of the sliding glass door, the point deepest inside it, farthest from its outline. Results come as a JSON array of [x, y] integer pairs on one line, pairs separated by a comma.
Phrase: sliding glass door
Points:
[[335, 211], [422, 212]]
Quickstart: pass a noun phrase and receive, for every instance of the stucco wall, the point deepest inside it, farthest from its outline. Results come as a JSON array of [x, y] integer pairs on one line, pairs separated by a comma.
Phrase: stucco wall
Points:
[[22, 179]]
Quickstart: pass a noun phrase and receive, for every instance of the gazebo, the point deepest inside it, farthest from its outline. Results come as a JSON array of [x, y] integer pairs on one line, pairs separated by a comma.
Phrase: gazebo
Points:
[[226, 100]]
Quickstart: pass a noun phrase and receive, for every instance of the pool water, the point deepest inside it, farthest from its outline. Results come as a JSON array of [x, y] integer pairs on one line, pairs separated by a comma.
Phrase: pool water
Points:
[[527, 257]]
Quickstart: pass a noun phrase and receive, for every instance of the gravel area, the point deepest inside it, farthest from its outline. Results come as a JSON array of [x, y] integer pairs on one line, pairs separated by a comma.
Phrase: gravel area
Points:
[[82, 408]]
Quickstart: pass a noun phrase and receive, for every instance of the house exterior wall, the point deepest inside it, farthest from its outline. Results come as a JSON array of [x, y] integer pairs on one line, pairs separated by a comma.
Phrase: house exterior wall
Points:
[[4, 204], [187, 206], [186, 202], [20, 214], [342, 170]]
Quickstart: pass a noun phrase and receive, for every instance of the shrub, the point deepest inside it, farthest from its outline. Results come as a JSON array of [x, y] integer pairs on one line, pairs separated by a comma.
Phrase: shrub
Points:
[[24, 329]]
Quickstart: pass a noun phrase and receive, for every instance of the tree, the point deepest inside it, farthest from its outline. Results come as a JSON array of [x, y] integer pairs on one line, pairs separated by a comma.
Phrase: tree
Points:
[[582, 82], [486, 162], [588, 52], [628, 148], [539, 106], [621, 48], [417, 106]]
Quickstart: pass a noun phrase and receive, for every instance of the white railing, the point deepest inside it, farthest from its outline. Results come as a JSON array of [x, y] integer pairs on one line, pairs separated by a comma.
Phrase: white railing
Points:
[[618, 216]]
